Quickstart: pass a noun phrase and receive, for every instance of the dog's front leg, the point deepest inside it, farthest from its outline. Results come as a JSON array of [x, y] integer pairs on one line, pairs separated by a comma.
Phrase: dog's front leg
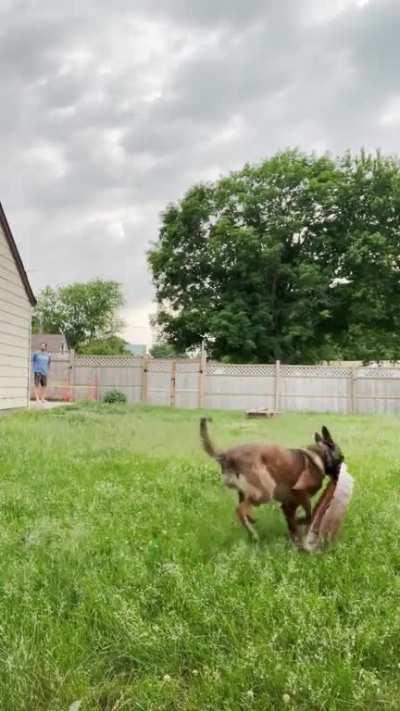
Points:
[[243, 514], [303, 500], [289, 509]]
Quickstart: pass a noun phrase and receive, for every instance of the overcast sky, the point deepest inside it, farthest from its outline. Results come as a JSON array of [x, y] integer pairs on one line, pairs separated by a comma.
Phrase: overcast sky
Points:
[[110, 110]]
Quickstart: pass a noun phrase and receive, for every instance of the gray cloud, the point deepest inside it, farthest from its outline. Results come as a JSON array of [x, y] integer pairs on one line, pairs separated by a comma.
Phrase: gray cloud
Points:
[[109, 112]]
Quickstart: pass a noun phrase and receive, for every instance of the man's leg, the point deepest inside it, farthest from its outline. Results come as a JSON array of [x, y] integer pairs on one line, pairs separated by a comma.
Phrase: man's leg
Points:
[[43, 382], [37, 387]]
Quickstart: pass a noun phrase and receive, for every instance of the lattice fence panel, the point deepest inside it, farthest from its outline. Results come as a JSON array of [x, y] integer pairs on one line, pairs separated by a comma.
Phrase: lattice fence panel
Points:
[[377, 373], [315, 371], [159, 366], [378, 390], [315, 388], [93, 361], [187, 366], [238, 370], [239, 386]]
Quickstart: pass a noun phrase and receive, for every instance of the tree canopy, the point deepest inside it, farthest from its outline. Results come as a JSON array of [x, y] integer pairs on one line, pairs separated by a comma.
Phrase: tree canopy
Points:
[[165, 350], [296, 259], [111, 345], [81, 311]]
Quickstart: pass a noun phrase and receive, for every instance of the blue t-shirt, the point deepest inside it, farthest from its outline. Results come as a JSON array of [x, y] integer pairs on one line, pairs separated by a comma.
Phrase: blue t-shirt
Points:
[[41, 363]]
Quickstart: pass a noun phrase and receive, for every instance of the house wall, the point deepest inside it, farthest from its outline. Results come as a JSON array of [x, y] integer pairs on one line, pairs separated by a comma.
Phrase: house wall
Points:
[[15, 329]]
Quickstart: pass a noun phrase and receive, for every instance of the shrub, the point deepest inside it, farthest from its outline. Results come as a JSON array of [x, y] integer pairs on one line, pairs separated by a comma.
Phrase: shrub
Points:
[[114, 396]]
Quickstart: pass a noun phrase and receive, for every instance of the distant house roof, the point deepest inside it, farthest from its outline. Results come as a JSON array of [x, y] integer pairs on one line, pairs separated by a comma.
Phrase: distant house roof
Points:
[[14, 251], [56, 342]]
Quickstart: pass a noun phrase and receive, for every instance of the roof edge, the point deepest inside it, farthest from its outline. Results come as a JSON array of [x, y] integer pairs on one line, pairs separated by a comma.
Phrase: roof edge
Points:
[[18, 261]]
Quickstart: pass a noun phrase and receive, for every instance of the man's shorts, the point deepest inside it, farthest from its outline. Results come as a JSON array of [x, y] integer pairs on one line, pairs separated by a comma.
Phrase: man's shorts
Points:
[[40, 379]]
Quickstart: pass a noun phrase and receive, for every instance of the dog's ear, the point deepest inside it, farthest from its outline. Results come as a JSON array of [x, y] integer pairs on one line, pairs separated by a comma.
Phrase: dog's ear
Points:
[[317, 437], [327, 435]]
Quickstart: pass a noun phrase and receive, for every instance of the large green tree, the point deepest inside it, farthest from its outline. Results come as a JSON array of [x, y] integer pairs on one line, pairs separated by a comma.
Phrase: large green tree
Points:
[[296, 258], [81, 311], [366, 316]]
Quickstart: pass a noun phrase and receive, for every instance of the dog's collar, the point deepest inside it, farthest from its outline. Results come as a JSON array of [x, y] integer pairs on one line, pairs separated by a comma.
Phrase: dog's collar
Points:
[[315, 458]]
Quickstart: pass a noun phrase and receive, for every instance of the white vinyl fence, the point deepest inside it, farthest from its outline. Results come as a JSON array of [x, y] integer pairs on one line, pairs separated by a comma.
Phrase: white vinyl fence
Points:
[[194, 383]]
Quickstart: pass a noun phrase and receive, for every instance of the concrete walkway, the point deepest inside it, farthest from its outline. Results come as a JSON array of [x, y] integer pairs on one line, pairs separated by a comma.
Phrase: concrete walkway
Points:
[[48, 405]]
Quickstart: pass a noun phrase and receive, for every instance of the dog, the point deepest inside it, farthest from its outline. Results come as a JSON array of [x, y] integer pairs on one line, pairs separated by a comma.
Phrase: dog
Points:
[[262, 473]]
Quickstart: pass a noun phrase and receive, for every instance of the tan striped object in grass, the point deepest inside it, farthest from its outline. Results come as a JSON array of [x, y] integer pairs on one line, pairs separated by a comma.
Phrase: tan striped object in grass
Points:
[[330, 512]]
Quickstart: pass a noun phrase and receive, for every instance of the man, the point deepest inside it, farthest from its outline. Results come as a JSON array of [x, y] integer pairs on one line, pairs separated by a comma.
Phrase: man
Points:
[[41, 363]]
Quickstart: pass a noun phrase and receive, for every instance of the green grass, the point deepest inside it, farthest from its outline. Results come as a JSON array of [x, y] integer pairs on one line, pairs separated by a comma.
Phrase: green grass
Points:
[[125, 582]]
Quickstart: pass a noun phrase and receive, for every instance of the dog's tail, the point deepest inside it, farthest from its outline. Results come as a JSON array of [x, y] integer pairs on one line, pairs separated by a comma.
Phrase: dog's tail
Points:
[[206, 441]]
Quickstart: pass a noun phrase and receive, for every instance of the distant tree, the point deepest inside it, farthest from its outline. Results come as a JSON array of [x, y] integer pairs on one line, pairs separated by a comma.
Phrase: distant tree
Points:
[[47, 313], [81, 311], [295, 259], [165, 350], [113, 345]]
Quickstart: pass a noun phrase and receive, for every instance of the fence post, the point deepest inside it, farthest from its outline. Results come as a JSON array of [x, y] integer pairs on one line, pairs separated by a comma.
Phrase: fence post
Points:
[[144, 384], [277, 384], [97, 387], [202, 375], [71, 397], [353, 393], [173, 384]]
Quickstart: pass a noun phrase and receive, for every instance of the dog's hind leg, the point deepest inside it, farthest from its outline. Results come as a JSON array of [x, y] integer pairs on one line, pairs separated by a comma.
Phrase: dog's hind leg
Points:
[[243, 514], [241, 499]]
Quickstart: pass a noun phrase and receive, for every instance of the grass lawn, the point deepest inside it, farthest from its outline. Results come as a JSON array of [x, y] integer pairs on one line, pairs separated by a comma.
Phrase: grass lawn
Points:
[[126, 582]]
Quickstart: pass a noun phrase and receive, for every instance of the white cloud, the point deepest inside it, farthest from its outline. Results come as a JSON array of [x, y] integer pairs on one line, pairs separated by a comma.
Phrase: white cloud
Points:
[[322, 11], [138, 329], [391, 114], [45, 159]]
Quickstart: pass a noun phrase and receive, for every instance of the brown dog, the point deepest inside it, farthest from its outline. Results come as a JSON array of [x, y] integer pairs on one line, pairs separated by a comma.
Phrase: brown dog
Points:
[[263, 473]]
